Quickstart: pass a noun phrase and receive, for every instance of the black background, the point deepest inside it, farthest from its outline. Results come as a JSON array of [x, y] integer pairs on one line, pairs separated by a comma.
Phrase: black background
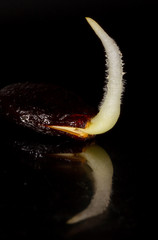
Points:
[[51, 41]]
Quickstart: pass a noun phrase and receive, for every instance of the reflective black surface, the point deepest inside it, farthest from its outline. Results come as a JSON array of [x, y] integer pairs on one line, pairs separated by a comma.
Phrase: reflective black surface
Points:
[[38, 193]]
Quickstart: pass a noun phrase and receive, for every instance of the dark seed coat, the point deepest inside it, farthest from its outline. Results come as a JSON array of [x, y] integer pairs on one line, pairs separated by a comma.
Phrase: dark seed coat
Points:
[[36, 106]]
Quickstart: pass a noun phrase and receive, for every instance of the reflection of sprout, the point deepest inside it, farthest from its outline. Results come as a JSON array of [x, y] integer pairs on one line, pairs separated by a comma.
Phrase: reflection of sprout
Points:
[[102, 170]]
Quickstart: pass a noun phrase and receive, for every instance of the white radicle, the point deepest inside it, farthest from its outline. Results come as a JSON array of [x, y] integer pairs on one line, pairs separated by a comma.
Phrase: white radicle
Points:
[[109, 108]]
